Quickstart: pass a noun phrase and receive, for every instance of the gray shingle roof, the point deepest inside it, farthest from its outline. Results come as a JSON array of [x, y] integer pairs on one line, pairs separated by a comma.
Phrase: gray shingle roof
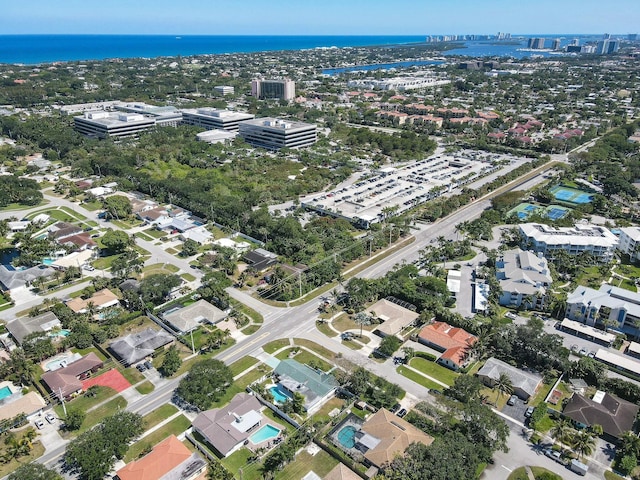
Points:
[[527, 382], [613, 414], [135, 347], [21, 327]]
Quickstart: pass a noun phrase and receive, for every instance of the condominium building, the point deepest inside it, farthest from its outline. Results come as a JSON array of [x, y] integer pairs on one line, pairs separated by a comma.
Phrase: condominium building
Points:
[[211, 118], [524, 278], [611, 305], [283, 89], [630, 242], [595, 240], [112, 124], [224, 90], [274, 134]]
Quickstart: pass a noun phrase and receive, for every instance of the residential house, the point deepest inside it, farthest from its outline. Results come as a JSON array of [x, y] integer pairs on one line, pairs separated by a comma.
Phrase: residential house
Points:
[[102, 299], [138, 346], [394, 317], [188, 318], [23, 326], [66, 382], [12, 279], [452, 341], [524, 278], [260, 259], [228, 428], [525, 384], [61, 230], [169, 460], [315, 386], [383, 436], [614, 414], [17, 404], [341, 472], [616, 306]]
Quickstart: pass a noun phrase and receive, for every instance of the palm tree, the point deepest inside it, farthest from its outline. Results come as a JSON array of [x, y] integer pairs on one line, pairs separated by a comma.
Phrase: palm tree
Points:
[[629, 444], [362, 319], [503, 385], [583, 443], [561, 429]]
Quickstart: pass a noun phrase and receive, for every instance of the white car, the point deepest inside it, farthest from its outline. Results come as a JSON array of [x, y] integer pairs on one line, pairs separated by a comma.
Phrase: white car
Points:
[[39, 424], [89, 268]]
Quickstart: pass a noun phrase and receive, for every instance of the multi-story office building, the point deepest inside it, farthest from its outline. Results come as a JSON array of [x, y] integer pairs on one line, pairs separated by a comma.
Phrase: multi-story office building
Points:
[[556, 44], [112, 124], [167, 116], [595, 240], [224, 90], [210, 118], [274, 134], [283, 89], [536, 43]]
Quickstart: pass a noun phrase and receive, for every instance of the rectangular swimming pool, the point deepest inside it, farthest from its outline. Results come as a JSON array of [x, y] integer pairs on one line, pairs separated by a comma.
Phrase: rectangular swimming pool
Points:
[[265, 433]]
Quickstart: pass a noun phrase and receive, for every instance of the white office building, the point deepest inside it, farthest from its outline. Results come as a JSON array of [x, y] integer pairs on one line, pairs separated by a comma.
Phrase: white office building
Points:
[[211, 118], [167, 116], [274, 134], [103, 124], [595, 240], [224, 90]]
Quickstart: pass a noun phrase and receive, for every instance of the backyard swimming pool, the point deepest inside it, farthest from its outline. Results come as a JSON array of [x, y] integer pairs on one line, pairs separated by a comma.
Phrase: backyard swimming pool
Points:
[[347, 436], [265, 433], [278, 395], [5, 392]]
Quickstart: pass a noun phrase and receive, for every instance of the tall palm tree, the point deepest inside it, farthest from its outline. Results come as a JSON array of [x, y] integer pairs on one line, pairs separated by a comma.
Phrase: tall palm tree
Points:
[[583, 443], [503, 385], [561, 429], [362, 319]]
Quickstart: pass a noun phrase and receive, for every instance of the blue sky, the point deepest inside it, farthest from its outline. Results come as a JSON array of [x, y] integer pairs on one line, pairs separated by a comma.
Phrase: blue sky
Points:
[[319, 17]]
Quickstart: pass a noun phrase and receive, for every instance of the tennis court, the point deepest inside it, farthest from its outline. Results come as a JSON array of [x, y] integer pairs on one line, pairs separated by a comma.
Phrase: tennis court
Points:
[[556, 212], [571, 195], [523, 210]]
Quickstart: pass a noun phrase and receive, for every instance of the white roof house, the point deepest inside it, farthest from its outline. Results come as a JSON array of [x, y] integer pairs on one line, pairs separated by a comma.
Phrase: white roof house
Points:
[[453, 281], [524, 383], [593, 239]]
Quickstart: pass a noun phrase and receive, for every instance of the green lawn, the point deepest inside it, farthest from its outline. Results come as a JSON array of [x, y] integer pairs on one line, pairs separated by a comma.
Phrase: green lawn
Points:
[[144, 236], [276, 345], [434, 370], [84, 402], [314, 347], [240, 460], [250, 330], [249, 312], [104, 263], [612, 476], [159, 414], [188, 277], [344, 322], [96, 415], [36, 452], [125, 225], [321, 463], [306, 358], [242, 364], [325, 329], [145, 387], [591, 277], [155, 233], [521, 474], [174, 427], [419, 379], [92, 206]]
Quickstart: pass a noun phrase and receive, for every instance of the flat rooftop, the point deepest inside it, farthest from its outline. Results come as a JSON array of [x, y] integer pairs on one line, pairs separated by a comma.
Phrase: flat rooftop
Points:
[[276, 124]]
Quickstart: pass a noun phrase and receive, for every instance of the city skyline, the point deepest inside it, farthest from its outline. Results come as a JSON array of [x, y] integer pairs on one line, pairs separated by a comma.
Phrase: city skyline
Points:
[[332, 17]]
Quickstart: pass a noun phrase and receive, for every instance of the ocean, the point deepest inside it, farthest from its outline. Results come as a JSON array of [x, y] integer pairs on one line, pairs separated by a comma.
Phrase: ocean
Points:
[[34, 49]]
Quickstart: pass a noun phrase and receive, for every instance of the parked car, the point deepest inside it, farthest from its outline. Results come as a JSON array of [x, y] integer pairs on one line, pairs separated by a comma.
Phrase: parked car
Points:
[[395, 408], [554, 455], [39, 424], [528, 412], [402, 412], [140, 367], [148, 365], [49, 418], [591, 354], [583, 351], [512, 400], [574, 348]]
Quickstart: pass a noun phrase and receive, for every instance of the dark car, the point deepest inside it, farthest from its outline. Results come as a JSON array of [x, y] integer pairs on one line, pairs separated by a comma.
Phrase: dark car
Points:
[[141, 367], [402, 412], [148, 365], [395, 408]]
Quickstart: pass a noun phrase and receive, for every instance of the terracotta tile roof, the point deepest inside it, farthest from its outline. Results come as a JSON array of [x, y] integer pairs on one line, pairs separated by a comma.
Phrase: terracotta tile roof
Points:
[[167, 456]]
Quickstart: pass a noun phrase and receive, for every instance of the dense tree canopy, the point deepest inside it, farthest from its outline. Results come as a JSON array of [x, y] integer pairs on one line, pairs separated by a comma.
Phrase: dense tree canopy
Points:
[[205, 383]]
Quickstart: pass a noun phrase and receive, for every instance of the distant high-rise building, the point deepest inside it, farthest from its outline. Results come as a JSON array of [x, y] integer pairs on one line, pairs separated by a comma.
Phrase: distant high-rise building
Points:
[[605, 47], [556, 44], [536, 43], [613, 46], [575, 41], [606, 36], [283, 89], [632, 37]]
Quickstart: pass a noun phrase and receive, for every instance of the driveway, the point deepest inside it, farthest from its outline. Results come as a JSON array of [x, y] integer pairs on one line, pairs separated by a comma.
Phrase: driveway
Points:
[[515, 411]]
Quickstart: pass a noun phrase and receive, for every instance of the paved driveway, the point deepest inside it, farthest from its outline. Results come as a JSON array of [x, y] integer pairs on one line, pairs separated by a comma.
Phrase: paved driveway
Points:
[[516, 411]]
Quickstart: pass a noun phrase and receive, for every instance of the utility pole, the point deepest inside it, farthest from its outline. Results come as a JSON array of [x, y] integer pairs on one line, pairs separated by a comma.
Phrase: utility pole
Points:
[[64, 407], [193, 348], [300, 283]]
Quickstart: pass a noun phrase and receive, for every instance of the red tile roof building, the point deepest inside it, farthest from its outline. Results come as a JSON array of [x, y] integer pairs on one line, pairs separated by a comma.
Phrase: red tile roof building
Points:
[[454, 342]]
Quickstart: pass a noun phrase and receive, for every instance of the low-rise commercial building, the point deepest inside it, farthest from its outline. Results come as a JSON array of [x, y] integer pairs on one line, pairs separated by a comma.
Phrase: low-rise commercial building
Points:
[[112, 124], [211, 118], [593, 239], [274, 134]]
